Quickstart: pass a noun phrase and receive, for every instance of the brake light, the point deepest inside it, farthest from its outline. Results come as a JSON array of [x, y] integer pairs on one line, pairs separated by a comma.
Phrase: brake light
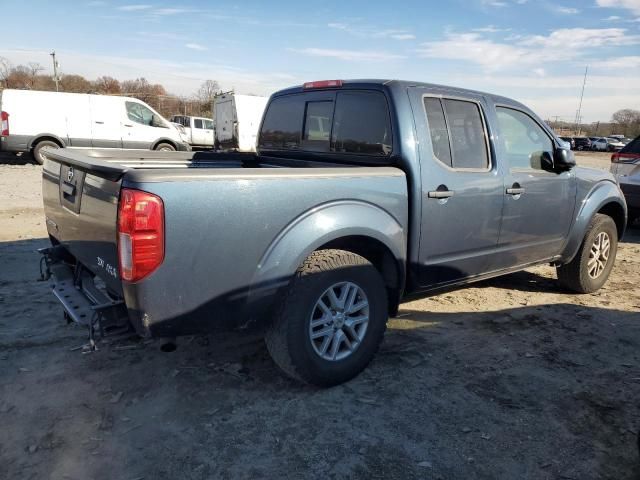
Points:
[[323, 84], [4, 124], [140, 234]]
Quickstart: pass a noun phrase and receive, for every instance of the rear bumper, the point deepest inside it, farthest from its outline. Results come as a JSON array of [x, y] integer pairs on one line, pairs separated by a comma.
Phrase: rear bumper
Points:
[[15, 143]]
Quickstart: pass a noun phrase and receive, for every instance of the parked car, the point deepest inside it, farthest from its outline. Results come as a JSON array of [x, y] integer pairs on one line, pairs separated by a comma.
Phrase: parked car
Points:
[[361, 194], [237, 120], [33, 119], [625, 165], [582, 143], [570, 142], [605, 144], [198, 131]]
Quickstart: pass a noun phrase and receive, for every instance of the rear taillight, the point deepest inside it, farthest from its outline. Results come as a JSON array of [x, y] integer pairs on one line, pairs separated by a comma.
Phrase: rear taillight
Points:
[[625, 158], [140, 234], [323, 84], [4, 124]]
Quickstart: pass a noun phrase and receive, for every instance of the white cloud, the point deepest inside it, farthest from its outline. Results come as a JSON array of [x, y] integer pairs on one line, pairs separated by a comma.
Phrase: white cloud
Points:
[[96, 3], [529, 50], [348, 55], [195, 46], [613, 18], [491, 29], [364, 31], [633, 5], [181, 78], [628, 62], [134, 8], [566, 10], [171, 11]]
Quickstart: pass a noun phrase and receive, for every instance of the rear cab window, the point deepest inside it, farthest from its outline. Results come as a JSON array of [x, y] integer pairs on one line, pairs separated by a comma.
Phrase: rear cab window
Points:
[[458, 133], [349, 122]]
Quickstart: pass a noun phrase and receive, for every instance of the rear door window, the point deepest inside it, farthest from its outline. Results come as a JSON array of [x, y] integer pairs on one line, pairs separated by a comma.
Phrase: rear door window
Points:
[[438, 130], [361, 124], [457, 132], [197, 123]]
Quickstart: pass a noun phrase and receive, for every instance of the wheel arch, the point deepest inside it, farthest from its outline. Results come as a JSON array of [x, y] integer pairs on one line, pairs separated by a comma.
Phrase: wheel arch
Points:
[[356, 226], [604, 198], [46, 136]]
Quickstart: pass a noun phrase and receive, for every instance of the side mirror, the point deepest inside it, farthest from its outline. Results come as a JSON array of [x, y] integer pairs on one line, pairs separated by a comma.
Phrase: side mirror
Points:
[[563, 160]]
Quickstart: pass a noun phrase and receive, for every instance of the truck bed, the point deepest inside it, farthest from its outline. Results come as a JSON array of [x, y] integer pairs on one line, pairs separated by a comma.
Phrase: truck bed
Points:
[[228, 218]]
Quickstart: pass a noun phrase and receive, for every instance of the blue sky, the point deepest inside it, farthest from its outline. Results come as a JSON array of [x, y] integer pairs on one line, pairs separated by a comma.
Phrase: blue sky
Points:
[[534, 51]]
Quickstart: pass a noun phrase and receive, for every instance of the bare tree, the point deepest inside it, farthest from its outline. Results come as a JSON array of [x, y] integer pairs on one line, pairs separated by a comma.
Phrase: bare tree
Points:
[[107, 85], [75, 84], [205, 95], [628, 120]]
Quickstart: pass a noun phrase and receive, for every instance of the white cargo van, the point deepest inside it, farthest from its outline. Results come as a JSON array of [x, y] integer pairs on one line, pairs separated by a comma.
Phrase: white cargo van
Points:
[[32, 119], [197, 131], [236, 120]]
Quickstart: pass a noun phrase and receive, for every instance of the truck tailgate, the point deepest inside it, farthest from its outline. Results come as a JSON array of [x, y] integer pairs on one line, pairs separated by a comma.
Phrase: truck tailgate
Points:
[[81, 209]]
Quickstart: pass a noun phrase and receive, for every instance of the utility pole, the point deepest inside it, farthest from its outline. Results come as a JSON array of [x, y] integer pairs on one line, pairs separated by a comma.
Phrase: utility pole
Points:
[[55, 70], [579, 112]]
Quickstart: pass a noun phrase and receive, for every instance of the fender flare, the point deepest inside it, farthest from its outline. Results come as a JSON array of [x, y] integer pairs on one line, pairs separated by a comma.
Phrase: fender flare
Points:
[[312, 229], [603, 193]]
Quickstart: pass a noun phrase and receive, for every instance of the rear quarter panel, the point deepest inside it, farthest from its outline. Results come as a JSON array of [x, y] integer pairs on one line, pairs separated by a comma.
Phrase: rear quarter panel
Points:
[[236, 235]]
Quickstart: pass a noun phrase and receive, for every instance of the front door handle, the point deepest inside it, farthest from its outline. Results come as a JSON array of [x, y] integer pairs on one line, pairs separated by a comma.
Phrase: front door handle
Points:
[[515, 189], [441, 192]]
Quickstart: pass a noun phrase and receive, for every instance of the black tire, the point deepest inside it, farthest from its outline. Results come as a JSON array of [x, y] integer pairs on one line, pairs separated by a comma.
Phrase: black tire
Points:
[[37, 154], [288, 339], [574, 275], [167, 147]]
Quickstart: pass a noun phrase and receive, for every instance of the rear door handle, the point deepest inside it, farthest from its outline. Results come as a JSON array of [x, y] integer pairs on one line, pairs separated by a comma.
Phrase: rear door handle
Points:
[[99, 122], [441, 192], [128, 125], [515, 189]]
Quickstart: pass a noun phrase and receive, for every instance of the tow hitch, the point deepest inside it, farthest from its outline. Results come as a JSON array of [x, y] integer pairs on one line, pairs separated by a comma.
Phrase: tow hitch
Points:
[[83, 302]]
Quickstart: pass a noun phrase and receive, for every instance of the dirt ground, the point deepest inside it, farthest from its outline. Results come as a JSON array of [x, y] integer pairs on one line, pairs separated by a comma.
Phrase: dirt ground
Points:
[[509, 379]]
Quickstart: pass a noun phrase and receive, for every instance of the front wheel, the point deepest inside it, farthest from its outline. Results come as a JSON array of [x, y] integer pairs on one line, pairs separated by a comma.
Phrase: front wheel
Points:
[[165, 147], [331, 321], [591, 266]]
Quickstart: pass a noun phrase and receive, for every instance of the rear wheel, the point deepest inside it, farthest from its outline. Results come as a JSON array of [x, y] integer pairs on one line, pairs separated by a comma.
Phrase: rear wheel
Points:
[[591, 266], [165, 147], [331, 321], [37, 150]]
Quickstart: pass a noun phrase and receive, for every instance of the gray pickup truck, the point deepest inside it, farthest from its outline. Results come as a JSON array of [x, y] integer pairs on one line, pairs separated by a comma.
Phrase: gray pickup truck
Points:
[[361, 194]]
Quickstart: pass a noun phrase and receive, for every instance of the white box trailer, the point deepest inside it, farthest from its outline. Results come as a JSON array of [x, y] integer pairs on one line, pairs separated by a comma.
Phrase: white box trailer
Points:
[[236, 120]]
